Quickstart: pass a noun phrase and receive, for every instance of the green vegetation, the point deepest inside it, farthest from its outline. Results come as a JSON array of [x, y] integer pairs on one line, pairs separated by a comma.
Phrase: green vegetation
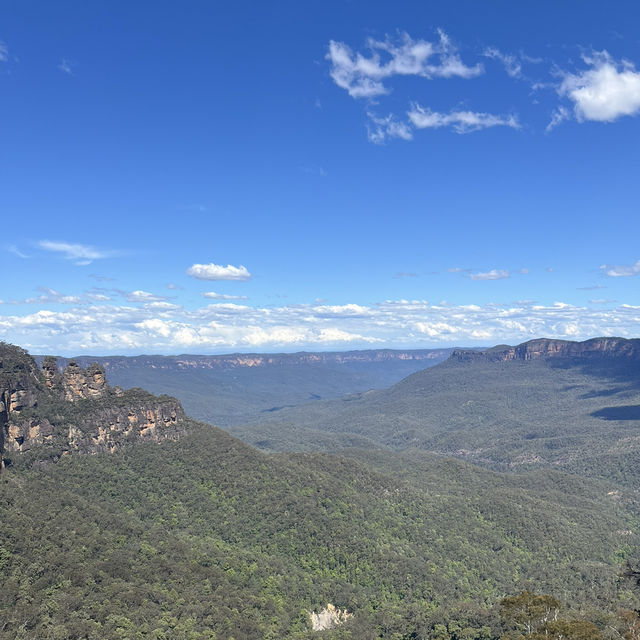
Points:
[[582, 415], [208, 538]]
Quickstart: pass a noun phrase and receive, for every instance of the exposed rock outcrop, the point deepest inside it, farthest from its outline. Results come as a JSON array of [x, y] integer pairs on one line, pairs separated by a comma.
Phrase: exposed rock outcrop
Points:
[[79, 383], [76, 410], [549, 348], [328, 618], [257, 360]]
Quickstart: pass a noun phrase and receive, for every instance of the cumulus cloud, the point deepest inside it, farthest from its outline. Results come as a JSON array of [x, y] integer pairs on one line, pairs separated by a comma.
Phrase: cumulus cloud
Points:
[[161, 327], [222, 296], [218, 272], [621, 271], [606, 91], [141, 296], [362, 76], [80, 254], [460, 121]]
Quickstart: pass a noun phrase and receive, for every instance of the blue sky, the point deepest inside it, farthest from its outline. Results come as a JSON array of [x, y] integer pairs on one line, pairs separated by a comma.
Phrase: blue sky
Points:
[[252, 176]]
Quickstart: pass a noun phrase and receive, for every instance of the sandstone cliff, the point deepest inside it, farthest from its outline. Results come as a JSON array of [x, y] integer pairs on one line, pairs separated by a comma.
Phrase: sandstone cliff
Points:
[[75, 410], [257, 360], [549, 348]]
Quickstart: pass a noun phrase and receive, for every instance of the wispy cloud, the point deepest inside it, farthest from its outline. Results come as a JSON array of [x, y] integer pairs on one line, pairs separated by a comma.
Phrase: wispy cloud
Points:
[[11, 248], [606, 91], [314, 171], [621, 271], [100, 278], [380, 129], [66, 66], [362, 76], [460, 121], [52, 296], [558, 116], [512, 63], [4, 52], [218, 272], [80, 254], [494, 274], [405, 274], [212, 295]]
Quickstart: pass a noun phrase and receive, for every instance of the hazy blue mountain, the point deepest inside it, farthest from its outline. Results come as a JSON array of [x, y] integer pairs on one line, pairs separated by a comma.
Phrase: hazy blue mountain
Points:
[[239, 388], [508, 408]]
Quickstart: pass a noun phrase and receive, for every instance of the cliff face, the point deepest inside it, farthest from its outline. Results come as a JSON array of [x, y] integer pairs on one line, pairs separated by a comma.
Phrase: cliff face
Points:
[[256, 360], [76, 409], [548, 348]]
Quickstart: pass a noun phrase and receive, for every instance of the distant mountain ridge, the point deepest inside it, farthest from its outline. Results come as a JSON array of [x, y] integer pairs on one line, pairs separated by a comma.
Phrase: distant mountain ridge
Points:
[[238, 388], [602, 347], [242, 360]]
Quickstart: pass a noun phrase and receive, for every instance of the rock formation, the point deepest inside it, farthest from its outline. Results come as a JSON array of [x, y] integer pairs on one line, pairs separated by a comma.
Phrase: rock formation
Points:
[[328, 618], [549, 348], [76, 409]]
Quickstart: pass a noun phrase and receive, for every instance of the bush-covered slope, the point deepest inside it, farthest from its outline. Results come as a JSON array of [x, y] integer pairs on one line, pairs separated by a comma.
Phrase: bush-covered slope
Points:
[[567, 412], [206, 537]]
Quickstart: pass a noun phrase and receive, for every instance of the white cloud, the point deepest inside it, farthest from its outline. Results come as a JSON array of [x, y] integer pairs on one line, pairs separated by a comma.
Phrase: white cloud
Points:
[[50, 296], [160, 327], [621, 271], [341, 310], [460, 121], [4, 52], [11, 248], [218, 272], [81, 254], [606, 91], [558, 116], [65, 66], [389, 127], [511, 63], [222, 296], [494, 274], [363, 76], [141, 296]]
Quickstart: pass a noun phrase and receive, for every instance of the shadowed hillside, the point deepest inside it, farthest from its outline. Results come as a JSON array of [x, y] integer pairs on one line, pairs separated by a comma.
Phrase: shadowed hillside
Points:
[[547, 403]]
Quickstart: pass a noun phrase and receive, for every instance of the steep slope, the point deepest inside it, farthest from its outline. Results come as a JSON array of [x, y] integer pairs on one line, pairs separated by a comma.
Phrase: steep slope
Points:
[[204, 535], [543, 403], [75, 410]]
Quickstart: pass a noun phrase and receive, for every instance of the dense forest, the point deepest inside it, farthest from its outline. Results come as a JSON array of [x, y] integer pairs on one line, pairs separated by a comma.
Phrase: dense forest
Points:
[[206, 537]]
